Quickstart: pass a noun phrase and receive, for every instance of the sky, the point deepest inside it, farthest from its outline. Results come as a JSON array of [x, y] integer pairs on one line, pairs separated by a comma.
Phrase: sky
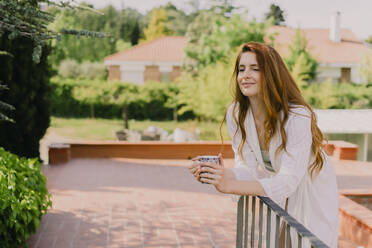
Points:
[[355, 14]]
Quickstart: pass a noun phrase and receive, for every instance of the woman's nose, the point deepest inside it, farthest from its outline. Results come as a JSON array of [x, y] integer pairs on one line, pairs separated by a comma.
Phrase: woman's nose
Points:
[[246, 74]]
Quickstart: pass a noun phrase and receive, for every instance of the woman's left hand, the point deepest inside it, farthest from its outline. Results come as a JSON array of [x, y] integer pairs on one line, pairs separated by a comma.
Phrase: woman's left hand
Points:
[[215, 174]]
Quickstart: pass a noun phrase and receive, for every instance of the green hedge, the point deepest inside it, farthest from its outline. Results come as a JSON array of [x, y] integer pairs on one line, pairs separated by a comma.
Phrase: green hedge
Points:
[[328, 95], [154, 100], [149, 103], [23, 198]]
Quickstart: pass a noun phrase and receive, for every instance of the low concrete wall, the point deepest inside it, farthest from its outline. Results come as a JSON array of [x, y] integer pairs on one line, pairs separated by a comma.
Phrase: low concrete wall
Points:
[[144, 150], [167, 150], [355, 219], [341, 150]]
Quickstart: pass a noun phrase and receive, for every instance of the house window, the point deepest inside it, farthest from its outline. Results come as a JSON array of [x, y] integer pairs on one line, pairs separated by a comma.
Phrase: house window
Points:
[[345, 74], [165, 77]]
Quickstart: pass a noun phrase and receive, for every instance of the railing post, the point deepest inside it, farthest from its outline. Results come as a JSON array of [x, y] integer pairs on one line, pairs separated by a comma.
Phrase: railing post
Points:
[[253, 220], [239, 226], [280, 214]]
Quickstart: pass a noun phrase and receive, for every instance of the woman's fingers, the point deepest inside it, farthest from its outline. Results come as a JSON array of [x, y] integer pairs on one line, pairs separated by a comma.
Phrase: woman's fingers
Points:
[[195, 158], [211, 179], [210, 170], [220, 160]]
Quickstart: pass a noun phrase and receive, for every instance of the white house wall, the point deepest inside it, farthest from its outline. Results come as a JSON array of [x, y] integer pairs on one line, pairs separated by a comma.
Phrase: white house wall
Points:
[[136, 77], [326, 72], [333, 71], [133, 71]]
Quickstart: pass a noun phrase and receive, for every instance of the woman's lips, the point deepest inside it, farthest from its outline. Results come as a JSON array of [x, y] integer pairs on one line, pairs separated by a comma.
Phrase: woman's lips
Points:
[[246, 85]]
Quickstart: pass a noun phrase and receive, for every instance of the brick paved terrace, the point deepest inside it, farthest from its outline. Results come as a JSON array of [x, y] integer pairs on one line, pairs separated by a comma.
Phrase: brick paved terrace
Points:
[[147, 203]]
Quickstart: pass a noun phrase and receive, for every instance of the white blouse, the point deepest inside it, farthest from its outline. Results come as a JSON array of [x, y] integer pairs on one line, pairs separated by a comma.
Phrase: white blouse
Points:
[[312, 203]]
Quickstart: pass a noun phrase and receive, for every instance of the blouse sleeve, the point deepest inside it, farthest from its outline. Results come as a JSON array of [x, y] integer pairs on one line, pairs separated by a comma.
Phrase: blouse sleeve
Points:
[[294, 162], [243, 170]]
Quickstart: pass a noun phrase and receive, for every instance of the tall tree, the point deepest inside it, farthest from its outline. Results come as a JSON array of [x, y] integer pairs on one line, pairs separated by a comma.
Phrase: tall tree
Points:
[[24, 34], [301, 57], [5, 107], [225, 8], [124, 25], [177, 20], [276, 13], [135, 35], [212, 38], [157, 25], [28, 84]]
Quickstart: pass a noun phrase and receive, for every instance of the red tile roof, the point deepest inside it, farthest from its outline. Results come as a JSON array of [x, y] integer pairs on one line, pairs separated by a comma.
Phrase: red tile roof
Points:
[[349, 50], [169, 48]]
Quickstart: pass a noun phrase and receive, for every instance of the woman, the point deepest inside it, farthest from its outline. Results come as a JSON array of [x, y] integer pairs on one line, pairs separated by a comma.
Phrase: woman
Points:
[[277, 145]]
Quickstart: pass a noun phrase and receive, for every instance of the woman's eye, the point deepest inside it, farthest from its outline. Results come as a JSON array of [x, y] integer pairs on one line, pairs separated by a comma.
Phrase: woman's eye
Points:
[[241, 70], [256, 69]]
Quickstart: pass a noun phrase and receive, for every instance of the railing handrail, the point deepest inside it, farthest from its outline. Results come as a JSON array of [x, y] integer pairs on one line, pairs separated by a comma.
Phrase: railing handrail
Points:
[[292, 222]]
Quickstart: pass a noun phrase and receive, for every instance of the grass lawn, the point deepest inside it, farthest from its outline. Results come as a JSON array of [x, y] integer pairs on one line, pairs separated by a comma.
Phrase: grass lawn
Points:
[[104, 129]]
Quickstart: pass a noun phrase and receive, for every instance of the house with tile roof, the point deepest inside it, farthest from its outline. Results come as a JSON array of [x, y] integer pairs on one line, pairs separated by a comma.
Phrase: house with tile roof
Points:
[[156, 60], [337, 50]]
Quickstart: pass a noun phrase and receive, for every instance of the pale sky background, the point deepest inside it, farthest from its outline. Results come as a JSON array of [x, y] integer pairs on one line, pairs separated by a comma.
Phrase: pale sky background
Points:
[[355, 14]]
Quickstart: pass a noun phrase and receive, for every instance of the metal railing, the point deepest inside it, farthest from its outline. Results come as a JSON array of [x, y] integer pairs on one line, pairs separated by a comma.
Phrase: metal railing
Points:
[[246, 232]]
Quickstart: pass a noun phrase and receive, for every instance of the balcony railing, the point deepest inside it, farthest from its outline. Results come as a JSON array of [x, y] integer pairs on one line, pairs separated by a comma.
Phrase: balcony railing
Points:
[[247, 233]]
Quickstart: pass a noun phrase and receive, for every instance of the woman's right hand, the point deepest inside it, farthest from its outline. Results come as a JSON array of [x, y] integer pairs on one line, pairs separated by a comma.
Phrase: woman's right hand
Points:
[[195, 168]]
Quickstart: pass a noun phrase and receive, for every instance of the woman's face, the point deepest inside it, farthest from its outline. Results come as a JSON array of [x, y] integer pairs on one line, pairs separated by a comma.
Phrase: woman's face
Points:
[[248, 74]]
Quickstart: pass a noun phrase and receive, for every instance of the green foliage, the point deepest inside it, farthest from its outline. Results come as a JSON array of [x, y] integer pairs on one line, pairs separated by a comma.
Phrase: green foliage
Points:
[[300, 70], [25, 18], [5, 107], [122, 45], [300, 62], [206, 95], [212, 38], [69, 68], [369, 39], [157, 27], [95, 70], [224, 8], [28, 92], [276, 13], [365, 67], [328, 95], [88, 94], [122, 25], [153, 100], [177, 20], [23, 198]]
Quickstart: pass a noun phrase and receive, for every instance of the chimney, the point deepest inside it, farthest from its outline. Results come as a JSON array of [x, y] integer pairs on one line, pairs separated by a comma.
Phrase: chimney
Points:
[[335, 29]]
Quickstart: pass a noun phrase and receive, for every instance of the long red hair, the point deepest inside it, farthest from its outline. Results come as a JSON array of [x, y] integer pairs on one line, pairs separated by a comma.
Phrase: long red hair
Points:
[[278, 91]]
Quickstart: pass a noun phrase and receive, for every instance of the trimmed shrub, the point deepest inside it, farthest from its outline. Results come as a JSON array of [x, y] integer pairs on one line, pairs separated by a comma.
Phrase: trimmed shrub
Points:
[[154, 100], [93, 70], [69, 68], [23, 198], [328, 95]]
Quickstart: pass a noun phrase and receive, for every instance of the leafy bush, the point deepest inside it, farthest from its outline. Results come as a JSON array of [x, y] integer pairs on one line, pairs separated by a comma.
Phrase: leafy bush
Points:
[[328, 95], [300, 62], [208, 94], [365, 67], [95, 70], [23, 198], [69, 68], [205, 96], [106, 99]]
